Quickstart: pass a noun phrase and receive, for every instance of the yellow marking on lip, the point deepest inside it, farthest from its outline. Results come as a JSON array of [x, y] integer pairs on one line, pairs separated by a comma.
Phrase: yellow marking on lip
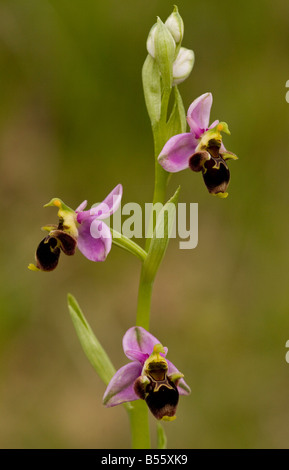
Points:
[[222, 195], [32, 267], [168, 418]]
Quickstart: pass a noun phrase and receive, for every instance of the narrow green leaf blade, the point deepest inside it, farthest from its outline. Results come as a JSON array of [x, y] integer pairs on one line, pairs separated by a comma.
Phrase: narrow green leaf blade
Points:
[[160, 238], [90, 345]]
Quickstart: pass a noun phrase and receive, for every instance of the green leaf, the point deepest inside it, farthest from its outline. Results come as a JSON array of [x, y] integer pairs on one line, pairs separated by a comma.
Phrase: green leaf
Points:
[[152, 88], [161, 437], [177, 122], [160, 238], [90, 345]]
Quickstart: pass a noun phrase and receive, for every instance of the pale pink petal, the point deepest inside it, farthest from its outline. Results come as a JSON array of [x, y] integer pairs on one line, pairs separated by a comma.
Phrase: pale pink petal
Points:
[[214, 124], [120, 388], [198, 115], [177, 151], [110, 204], [81, 207], [135, 355], [137, 340], [94, 239]]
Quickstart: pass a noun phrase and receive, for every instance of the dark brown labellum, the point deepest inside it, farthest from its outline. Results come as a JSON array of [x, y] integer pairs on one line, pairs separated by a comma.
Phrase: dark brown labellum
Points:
[[162, 398], [47, 254], [48, 251]]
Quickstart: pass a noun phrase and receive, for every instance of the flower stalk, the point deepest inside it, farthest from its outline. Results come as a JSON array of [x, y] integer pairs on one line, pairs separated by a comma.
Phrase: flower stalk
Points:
[[139, 425], [158, 82], [127, 244]]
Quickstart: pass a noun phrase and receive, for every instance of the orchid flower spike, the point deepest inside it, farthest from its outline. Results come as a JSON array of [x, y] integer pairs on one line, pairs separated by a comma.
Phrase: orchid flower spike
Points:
[[82, 229], [149, 376], [201, 149]]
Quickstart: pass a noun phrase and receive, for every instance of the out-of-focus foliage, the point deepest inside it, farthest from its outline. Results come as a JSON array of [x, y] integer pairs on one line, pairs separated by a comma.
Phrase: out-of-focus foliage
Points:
[[73, 124]]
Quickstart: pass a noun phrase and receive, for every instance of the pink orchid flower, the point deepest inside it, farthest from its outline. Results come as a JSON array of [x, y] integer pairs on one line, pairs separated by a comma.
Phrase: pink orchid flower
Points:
[[149, 376], [201, 149]]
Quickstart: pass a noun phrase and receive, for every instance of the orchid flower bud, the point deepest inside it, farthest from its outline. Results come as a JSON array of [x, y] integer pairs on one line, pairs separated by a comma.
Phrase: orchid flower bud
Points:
[[183, 65], [175, 25], [162, 47], [160, 34]]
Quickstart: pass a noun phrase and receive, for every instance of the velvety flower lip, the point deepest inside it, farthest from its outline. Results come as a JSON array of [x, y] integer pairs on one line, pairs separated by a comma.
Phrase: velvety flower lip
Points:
[[201, 149], [211, 159], [49, 249], [149, 376], [94, 236], [215, 171]]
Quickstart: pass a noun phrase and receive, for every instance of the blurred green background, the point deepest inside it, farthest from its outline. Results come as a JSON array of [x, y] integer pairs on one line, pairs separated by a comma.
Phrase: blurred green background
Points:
[[73, 124]]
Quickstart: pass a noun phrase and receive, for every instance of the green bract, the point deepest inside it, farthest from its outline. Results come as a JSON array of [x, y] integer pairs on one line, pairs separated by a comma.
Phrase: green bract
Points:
[[90, 345], [160, 239], [177, 122], [165, 48], [152, 88]]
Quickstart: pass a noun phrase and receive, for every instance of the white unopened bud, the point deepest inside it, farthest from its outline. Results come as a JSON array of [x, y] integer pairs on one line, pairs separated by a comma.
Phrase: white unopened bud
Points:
[[175, 25], [151, 40], [162, 34], [183, 65]]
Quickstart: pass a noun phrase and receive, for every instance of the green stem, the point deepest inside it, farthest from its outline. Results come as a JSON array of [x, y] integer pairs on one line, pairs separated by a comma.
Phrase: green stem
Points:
[[161, 176], [139, 414], [144, 301], [139, 422], [161, 181]]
